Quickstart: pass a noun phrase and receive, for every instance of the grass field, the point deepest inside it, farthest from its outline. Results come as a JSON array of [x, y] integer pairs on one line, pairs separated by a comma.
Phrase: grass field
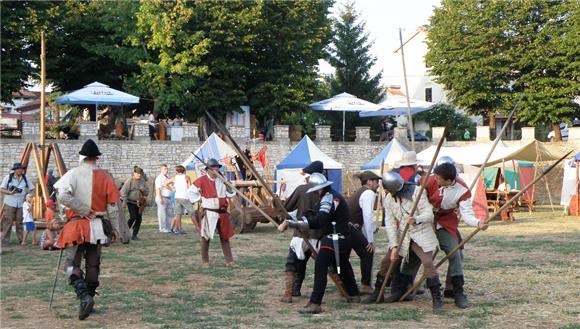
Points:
[[523, 274]]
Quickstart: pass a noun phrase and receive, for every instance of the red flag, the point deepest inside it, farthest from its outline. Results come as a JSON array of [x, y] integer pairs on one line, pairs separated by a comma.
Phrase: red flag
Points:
[[262, 156]]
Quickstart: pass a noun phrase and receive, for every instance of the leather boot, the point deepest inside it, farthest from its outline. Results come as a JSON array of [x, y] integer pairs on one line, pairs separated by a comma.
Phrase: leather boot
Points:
[[435, 287], [298, 279], [92, 288], [458, 295], [204, 252], [227, 250], [86, 301], [372, 298], [311, 309], [448, 291], [289, 284], [398, 287]]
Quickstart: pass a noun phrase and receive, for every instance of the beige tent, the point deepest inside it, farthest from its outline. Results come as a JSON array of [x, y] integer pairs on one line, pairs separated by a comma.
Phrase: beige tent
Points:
[[474, 155]]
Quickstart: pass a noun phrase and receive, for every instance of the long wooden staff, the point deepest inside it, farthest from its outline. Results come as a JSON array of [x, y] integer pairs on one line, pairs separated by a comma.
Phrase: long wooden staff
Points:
[[333, 275], [240, 193], [492, 217], [415, 203]]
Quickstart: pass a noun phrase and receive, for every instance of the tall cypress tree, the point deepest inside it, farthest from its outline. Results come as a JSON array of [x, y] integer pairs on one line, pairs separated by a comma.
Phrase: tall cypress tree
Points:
[[349, 54]]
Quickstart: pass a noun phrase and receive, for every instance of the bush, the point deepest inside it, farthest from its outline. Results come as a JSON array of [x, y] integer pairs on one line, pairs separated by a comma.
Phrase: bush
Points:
[[442, 114]]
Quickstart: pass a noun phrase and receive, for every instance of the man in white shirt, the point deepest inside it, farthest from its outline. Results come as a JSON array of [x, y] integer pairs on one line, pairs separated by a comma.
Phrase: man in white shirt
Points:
[[152, 124], [361, 206], [14, 186], [163, 201]]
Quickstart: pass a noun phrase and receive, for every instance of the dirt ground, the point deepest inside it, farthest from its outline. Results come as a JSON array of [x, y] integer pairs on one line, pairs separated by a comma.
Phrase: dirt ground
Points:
[[522, 274]]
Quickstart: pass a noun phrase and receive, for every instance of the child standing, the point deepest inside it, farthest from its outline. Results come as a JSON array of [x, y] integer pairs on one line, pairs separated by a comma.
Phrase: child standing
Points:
[[28, 220]]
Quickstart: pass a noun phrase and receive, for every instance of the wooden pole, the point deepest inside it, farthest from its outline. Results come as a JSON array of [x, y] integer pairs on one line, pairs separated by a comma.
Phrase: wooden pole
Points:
[[490, 218], [413, 209], [41, 182], [60, 166], [333, 275], [42, 94], [410, 116]]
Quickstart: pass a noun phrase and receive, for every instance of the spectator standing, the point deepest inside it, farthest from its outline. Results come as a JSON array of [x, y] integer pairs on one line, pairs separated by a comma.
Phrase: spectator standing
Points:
[[14, 186], [163, 201], [133, 191], [28, 220], [466, 135], [151, 121], [181, 183]]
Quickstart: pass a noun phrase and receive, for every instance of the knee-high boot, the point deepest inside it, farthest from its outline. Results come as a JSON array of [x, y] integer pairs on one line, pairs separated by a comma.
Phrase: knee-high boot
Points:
[[298, 279], [289, 284], [82, 291], [435, 286]]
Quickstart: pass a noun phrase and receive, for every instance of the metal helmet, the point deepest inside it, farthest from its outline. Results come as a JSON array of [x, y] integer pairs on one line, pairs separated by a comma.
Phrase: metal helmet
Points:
[[445, 159], [319, 181], [213, 163], [393, 182]]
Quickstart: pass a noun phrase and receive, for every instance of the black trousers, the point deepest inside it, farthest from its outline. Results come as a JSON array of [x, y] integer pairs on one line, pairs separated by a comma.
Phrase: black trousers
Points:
[[92, 255], [359, 245], [325, 259], [135, 218]]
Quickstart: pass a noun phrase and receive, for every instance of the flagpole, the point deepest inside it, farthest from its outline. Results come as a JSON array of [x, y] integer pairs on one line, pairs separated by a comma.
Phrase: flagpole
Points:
[[343, 125]]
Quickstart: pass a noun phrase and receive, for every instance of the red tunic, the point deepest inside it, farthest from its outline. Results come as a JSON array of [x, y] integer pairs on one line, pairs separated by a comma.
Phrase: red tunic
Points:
[[209, 191], [104, 191]]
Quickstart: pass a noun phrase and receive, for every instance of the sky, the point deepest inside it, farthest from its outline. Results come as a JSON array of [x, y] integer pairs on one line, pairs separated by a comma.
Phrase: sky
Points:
[[383, 20]]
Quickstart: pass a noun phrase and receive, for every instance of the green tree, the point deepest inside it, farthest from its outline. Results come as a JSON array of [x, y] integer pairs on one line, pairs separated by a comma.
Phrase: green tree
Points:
[[441, 115], [489, 53], [290, 39], [349, 54]]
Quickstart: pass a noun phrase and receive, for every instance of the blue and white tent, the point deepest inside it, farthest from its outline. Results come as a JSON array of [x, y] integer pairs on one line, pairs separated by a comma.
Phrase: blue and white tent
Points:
[[390, 154], [305, 152], [213, 147]]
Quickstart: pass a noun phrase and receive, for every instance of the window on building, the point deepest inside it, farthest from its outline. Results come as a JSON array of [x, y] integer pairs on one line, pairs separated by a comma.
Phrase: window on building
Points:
[[429, 94]]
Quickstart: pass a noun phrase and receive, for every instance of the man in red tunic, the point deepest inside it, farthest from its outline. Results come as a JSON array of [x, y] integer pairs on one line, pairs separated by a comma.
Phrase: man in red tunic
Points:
[[213, 193], [91, 196]]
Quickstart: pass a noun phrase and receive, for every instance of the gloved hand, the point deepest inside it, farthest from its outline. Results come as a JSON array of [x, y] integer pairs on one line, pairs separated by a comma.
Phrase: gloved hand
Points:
[[301, 225]]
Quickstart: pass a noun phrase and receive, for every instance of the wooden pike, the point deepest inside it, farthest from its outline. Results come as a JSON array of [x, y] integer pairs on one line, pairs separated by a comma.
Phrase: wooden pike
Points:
[[413, 209], [490, 218], [333, 275]]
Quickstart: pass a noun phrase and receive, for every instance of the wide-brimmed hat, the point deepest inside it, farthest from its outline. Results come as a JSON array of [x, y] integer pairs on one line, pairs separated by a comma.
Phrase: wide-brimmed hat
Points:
[[409, 159], [367, 175], [212, 163], [90, 149], [18, 165], [315, 166]]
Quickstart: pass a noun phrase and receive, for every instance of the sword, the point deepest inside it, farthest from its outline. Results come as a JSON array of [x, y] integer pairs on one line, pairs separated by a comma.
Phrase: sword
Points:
[[55, 278], [335, 244]]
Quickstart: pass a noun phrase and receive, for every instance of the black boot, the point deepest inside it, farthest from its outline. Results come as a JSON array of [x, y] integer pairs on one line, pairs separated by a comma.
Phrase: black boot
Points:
[[458, 295], [372, 298], [435, 287], [87, 302], [92, 287], [297, 284], [398, 287]]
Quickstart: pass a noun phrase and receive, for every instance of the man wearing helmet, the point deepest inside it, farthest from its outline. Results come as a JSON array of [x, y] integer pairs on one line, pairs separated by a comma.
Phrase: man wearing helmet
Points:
[[448, 194], [419, 241], [304, 204], [335, 244], [213, 194]]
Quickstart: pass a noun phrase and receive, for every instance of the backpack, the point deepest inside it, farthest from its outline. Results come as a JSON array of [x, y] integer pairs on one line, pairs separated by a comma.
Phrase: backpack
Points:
[[11, 176]]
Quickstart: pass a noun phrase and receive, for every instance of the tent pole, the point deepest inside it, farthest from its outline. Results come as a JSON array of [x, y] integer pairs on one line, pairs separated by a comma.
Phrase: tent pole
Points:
[[546, 181], [343, 125]]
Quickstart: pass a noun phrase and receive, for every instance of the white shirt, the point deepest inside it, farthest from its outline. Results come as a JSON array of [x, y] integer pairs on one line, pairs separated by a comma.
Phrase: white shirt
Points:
[[151, 120], [367, 204], [159, 181], [180, 185], [27, 213]]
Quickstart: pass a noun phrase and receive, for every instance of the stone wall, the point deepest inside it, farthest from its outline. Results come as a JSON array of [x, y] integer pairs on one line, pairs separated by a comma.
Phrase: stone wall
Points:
[[119, 157]]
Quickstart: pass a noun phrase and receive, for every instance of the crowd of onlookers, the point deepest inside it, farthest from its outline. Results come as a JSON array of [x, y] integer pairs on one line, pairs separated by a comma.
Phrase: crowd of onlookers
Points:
[[170, 195]]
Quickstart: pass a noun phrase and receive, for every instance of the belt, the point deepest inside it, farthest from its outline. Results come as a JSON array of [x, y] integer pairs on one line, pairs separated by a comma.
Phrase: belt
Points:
[[340, 236], [219, 211]]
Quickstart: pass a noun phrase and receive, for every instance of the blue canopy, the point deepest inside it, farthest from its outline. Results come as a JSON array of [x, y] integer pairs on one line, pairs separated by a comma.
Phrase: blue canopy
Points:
[[97, 93], [304, 153], [390, 154]]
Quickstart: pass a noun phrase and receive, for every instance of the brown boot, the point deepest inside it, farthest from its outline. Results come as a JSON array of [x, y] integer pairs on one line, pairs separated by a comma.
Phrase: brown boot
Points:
[[287, 297], [204, 252], [311, 309]]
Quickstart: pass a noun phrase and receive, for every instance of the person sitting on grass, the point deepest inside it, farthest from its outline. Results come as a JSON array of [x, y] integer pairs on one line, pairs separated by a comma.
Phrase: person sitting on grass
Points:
[[28, 220], [49, 236]]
